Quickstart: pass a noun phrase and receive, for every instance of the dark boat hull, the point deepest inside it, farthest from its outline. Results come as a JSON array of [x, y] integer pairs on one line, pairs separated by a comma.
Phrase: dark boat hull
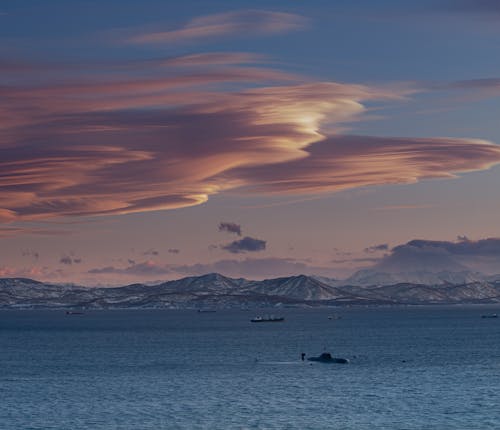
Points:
[[331, 360], [326, 357], [260, 320]]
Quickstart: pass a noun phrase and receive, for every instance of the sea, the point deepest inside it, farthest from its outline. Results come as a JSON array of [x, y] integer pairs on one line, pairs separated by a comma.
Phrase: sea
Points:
[[410, 368]]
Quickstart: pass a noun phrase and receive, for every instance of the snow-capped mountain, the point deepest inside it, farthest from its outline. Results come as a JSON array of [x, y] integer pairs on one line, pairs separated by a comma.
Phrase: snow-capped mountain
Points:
[[218, 291], [299, 287], [369, 277]]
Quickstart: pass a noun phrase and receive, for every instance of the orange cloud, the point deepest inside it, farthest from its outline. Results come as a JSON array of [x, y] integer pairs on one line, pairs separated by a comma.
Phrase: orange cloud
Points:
[[34, 272], [166, 136]]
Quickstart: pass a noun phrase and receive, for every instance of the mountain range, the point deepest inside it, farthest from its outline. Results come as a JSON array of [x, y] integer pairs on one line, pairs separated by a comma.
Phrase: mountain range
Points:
[[217, 291]]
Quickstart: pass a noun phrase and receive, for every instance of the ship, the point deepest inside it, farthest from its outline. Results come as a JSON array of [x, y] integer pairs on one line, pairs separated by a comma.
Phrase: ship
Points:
[[266, 318]]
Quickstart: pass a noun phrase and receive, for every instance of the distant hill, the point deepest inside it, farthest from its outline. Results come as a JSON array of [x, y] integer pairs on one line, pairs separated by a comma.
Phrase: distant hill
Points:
[[367, 277], [217, 291]]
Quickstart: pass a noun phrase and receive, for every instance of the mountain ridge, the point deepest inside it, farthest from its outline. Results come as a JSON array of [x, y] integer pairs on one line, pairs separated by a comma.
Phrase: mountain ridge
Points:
[[214, 290]]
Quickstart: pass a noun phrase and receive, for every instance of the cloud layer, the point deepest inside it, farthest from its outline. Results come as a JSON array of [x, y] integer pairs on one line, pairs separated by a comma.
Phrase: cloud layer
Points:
[[169, 133], [251, 268], [436, 256]]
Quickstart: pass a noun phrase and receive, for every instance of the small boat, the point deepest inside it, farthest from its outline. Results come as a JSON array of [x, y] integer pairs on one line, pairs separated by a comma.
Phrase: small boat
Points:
[[267, 319], [326, 357], [489, 316], [205, 311], [334, 317], [74, 313]]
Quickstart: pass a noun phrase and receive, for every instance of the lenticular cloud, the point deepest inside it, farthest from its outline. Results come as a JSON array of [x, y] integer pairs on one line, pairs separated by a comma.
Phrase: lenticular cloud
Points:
[[170, 134]]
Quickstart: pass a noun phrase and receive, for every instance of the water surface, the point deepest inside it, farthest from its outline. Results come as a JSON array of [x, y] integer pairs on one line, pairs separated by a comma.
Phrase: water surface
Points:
[[411, 368]]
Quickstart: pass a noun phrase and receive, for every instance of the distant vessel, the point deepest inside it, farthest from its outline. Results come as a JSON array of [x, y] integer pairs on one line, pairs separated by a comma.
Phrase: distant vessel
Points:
[[334, 317], [204, 311], [326, 357], [267, 319], [490, 316], [74, 313]]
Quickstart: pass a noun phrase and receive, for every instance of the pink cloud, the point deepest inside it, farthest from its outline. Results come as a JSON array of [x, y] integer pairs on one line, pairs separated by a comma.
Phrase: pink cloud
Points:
[[18, 231], [342, 162], [33, 272], [229, 23], [151, 139]]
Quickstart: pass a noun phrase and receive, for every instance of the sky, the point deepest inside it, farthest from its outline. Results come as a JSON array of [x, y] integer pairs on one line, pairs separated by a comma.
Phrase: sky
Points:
[[146, 141]]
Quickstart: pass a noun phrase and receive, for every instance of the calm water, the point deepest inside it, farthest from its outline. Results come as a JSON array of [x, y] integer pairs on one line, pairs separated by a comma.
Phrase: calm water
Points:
[[411, 368]]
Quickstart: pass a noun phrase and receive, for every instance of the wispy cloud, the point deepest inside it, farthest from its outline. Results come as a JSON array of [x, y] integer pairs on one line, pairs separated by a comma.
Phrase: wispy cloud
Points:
[[131, 147], [250, 268], [31, 231], [208, 59], [240, 23], [34, 272], [403, 207], [356, 260], [343, 162], [377, 248], [143, 269]]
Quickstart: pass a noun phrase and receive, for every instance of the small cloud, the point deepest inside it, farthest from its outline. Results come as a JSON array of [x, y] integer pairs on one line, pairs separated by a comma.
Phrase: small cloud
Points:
[[247, 244], [131, 262], [174, 251], [151, 252], [230, 227], [66, 260], [70, 259], [30, 253], [377, 248]]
